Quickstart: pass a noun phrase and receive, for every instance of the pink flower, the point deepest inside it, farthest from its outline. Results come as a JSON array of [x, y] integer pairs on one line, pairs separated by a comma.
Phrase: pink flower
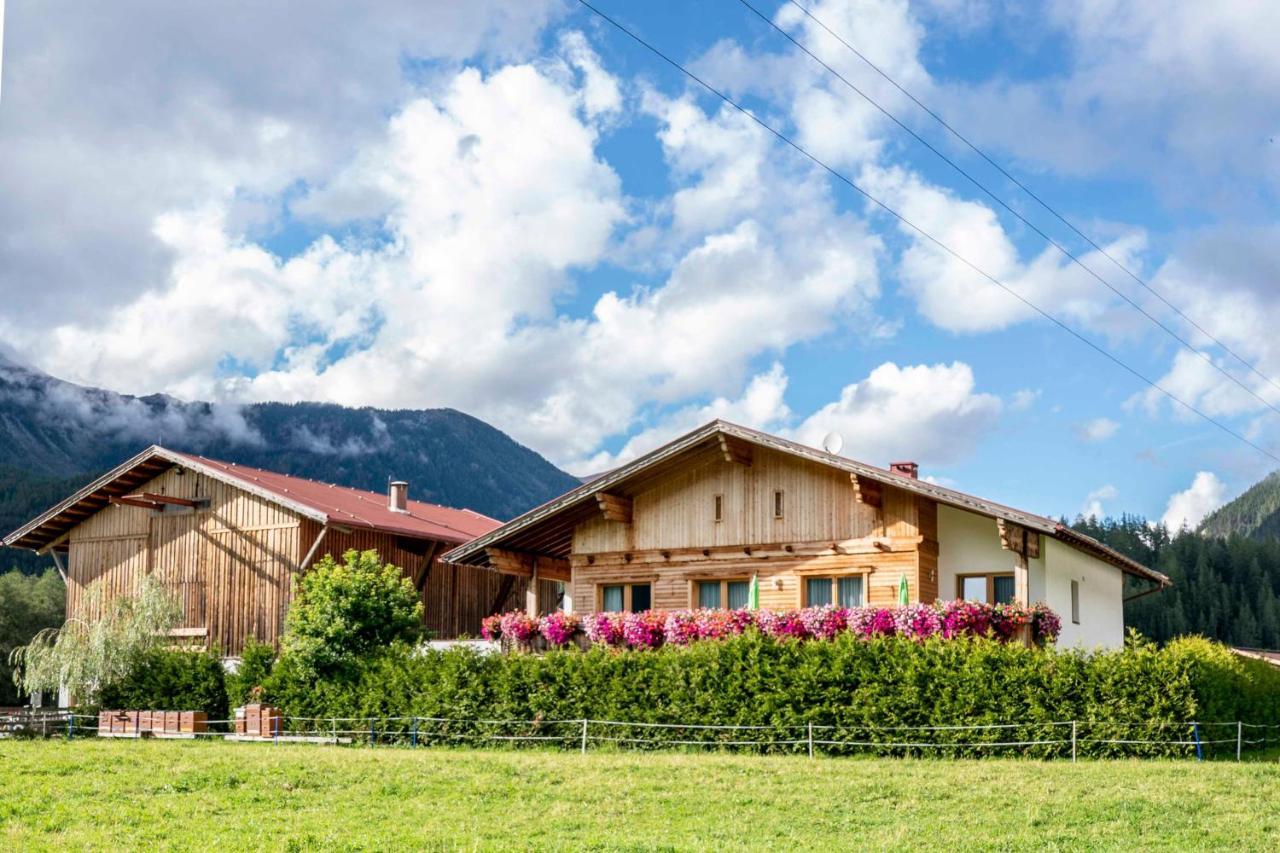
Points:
[[681, 627], [644, 630], [558, 628], [491, 627], [518, 625], [824, 623], [917, 621], [604, 628]]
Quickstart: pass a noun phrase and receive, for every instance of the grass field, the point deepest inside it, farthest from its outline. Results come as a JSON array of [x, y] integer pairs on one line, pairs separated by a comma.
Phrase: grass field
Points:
[[175, 795]]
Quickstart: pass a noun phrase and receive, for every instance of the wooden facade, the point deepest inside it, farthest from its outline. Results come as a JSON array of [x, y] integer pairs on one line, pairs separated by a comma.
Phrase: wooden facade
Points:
[[774, 516], [232, 558]]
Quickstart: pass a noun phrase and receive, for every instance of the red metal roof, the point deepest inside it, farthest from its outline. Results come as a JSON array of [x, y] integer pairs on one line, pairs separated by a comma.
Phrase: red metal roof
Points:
[[321, 502], [358, 508]]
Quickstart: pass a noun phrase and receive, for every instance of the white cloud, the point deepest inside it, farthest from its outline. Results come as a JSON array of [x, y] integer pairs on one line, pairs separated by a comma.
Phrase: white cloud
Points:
[[1189, 507], [930, 414], [115, 114], [1098, 429], [1093, 501]]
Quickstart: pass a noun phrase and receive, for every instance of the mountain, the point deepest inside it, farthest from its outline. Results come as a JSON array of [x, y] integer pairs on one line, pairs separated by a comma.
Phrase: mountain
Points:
[[56, 436], [1256, 513]]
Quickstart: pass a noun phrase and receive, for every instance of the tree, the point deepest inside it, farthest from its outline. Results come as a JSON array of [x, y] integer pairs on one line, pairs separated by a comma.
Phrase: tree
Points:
[[343, 610], [84, 655], [28, 604]]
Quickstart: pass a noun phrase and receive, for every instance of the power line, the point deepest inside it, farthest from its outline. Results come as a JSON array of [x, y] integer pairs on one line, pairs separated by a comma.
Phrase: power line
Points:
[[1038, 200], [1000, 201], [782, 137]]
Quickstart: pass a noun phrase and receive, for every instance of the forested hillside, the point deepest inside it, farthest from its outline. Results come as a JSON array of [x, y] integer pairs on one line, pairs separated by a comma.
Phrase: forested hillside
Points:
[[1227, 588], [56, 436], [1255, 513]]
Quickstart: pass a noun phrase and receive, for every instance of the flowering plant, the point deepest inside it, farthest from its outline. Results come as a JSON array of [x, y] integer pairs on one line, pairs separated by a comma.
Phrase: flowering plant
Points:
[[823, 623], [603, 628], [518, 626], [918, 621], [782, 623], [681, 627], [1046, 626], [558, 628], [645, 630], [491, 627]]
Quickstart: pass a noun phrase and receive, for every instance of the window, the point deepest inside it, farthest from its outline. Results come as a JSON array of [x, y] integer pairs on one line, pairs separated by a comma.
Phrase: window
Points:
[[719, 507], [1075, 602], [993, 589], [721, 593], [777, 504], [844, 591], [626, 597]]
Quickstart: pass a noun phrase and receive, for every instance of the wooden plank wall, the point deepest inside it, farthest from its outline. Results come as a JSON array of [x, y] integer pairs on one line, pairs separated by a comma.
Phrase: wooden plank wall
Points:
[[820, 505], [455, 598], [228, 564]]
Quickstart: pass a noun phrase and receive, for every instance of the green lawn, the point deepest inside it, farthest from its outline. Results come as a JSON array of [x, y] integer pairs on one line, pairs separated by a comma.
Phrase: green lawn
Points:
[[207, 795]]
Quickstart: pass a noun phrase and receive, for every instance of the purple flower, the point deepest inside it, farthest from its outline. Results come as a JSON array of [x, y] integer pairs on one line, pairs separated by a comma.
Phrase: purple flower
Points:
[[824, 623], [681, 627], [645, 630], [604, 628], [917, 621], [518, 625]]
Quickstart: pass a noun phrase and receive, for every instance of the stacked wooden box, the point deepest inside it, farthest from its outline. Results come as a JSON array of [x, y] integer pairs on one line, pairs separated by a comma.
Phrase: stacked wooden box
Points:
[[258, 720], [159, 723]]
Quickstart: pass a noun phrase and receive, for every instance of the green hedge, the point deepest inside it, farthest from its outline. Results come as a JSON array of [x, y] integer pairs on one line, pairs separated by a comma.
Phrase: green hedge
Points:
[[170, 680], [1140, 693]]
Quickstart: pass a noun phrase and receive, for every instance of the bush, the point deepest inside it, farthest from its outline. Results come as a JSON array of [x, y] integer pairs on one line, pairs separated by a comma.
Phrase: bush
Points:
[[345, 610], [171, 680], [860, 686], [255, 667]]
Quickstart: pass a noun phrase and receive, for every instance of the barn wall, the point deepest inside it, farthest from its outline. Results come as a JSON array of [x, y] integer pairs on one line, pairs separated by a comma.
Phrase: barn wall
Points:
[[228, 564], [454, 598]]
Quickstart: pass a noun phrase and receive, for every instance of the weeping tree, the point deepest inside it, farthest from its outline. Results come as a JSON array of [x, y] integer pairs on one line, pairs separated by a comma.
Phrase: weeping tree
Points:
[[82, 656]]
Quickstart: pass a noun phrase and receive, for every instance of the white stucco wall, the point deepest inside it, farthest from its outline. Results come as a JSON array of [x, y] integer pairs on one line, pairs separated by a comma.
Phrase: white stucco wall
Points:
[[969, 543], [1101, 596]]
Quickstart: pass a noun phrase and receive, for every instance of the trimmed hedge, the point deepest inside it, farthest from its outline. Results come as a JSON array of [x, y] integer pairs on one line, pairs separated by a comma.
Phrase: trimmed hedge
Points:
[[171, 680], [861, 686]]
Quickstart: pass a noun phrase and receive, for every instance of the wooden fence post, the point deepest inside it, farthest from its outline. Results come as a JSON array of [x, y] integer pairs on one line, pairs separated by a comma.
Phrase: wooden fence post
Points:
[[584, 737], [1073, 741], [811, 739]]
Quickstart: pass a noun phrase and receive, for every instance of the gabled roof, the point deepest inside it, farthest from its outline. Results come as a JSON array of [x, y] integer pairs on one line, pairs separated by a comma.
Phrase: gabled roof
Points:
[[321, 502], [549, 528]]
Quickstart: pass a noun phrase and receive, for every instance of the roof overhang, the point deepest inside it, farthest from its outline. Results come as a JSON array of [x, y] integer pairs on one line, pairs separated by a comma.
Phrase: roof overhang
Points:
[[549, 528], [49, 529]]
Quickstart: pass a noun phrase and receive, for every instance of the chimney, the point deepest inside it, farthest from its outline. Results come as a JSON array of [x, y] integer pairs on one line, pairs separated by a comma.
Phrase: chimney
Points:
[[398, 496], [906, 469]]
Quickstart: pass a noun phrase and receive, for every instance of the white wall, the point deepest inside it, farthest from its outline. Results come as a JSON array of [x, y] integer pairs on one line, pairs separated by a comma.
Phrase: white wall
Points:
[[1101, 596], [970, 543]]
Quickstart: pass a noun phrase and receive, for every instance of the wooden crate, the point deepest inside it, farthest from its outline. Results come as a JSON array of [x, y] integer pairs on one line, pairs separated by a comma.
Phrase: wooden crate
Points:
[[172, 722], [191, 722], [271, 721]]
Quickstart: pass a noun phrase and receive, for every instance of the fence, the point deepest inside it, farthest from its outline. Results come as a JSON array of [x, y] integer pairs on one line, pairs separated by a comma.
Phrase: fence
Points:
[[32, 722], [1048, 739]]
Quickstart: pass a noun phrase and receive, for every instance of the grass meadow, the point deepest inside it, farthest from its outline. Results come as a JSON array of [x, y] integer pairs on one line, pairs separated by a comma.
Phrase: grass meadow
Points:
[[117, 795]]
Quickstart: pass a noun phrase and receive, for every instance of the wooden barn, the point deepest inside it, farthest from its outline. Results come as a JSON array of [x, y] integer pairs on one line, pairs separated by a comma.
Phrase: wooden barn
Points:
[[228, 541], [693, 522]]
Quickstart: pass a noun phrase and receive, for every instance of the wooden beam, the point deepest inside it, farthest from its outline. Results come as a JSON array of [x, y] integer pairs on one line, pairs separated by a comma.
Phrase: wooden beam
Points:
[[315, 546], [796, 551], [735, 450], [139, 502], [57, 561], [504, 590], [423, 574], [525, 565], [163, 499], [614, 507], [867, 491]]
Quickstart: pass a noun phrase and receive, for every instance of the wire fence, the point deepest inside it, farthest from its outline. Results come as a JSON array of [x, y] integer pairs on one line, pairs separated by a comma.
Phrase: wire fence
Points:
[[1055, 739]]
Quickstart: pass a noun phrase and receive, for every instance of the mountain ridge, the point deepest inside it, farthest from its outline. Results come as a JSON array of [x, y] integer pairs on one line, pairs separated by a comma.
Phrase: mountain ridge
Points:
[[1255, 513], [56, 435]]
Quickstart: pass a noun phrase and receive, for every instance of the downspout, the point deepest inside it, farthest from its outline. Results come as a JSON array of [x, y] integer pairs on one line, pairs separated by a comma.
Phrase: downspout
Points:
[[1157, 588]]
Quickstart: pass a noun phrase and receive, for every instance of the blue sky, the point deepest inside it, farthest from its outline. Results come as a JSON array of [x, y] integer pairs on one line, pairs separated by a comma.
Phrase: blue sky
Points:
[[519, 212]]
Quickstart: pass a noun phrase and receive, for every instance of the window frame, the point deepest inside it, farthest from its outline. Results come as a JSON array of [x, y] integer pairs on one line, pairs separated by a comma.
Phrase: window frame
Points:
[[626, 585], [991, 584], [1075, 602], [694, 583], [834, 577], [779, 504], [717, 509]]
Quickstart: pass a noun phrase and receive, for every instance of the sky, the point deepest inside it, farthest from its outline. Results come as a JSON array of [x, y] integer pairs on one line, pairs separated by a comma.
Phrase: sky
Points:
[[515, 210]]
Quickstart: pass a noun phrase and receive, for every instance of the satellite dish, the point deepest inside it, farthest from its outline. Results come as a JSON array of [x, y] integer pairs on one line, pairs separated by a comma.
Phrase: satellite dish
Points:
[[833, 443]]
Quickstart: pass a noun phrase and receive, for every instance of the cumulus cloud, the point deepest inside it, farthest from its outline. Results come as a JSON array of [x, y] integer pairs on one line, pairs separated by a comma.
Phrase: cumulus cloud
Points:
[[1189, 507], [1093, 501], [1098, 429], [931, 414]]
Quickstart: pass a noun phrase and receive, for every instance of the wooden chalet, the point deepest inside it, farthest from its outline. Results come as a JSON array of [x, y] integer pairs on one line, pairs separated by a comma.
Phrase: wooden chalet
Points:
[[691, 523], [228, 540]]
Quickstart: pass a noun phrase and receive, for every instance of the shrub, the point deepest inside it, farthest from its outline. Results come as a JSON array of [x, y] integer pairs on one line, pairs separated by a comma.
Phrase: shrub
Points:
[[345, 610], [171, 680], [861, 686], [255, 668]]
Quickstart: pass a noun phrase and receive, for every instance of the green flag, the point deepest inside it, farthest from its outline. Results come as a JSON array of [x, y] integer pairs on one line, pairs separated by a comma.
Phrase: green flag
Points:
[[904, 591], [753, 593]]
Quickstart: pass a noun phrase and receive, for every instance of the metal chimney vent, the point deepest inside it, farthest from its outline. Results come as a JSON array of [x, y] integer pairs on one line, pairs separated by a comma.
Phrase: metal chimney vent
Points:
[[398, 496]]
